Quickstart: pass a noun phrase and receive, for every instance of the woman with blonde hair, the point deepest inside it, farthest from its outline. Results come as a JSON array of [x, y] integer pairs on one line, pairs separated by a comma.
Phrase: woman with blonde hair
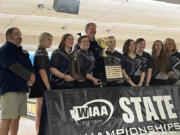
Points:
[[113, 58], [174, 57], [160, 64], [42, 72]]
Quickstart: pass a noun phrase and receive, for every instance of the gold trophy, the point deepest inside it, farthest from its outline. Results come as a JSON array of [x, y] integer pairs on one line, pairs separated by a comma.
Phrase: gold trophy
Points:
[[113, 70], [75, 67], [103, 42]]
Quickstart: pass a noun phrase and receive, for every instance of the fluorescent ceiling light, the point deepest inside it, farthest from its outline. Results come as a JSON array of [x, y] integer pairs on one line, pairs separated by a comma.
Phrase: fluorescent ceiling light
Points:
[[170, 1]]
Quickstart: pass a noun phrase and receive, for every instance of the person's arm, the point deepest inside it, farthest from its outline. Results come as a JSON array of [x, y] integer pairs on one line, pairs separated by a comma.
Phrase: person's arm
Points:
[[9, 61], [141, 79], [44, 78], [142, 73], [56, 62], [170, 73], [128, 79], [20, 71], [31, 80], [93, 79], [59, 74], [149, 75]]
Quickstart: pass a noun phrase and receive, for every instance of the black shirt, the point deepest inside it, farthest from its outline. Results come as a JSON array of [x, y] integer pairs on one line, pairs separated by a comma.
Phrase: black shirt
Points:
[[97, 51], [133, 67], [147, 60], [41, 61], [175, 64], [116, 57], [9, 81], [62, 62], [88, 61], [114, 54]]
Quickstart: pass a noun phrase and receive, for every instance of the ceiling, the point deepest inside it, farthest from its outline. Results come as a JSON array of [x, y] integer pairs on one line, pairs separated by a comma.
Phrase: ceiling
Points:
[[136, 18], [171, 1]]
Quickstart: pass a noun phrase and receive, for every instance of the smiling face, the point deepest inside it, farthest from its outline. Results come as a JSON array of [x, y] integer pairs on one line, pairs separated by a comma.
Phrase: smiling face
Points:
[[111, 43], [91, 31], [170, 45], [47, 42], [69, 41], [158, 46], [132, 46], [84, 43]]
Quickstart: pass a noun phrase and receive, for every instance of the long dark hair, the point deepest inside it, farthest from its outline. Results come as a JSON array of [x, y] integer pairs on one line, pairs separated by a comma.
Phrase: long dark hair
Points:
[[126, 46], [62, 43], [162, 59]]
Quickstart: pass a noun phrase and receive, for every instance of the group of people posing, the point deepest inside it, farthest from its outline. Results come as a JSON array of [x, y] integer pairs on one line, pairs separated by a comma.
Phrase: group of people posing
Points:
[[139, 68]]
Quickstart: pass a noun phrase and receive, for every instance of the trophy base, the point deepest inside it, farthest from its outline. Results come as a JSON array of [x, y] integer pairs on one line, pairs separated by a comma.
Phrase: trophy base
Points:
[[77, 77]]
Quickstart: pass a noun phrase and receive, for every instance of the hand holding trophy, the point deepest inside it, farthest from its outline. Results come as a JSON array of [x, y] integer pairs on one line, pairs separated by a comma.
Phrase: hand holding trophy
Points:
[[112, 69]]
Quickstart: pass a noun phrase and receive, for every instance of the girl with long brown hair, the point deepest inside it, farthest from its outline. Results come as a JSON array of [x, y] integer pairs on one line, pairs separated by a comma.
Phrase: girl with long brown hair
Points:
[[61, 63], [160, 64]]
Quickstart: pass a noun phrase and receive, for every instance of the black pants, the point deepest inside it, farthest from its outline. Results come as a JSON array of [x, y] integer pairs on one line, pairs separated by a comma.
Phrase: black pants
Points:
[[155, 82], [172, 81], [84, 84], [134, 79], [73, 85]]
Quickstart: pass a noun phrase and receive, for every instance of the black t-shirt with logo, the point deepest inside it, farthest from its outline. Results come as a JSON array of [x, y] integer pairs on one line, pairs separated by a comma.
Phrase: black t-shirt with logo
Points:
[[133, 67], [147, 60], [118, 57]]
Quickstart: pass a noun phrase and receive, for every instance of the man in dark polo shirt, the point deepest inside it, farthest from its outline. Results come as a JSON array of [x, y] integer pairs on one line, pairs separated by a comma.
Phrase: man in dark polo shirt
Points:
[[99, 71], [15, 77]]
